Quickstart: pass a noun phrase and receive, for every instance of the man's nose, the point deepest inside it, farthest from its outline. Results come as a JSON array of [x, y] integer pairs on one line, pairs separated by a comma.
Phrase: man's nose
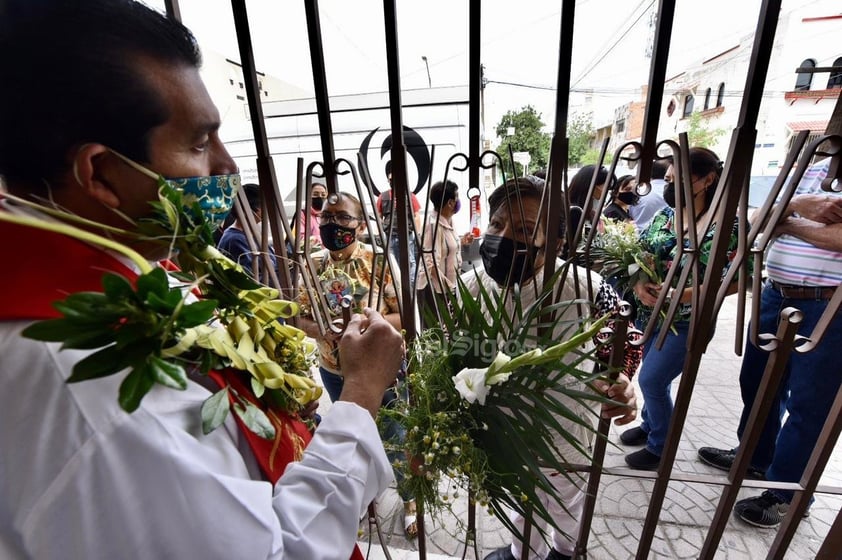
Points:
[[222, 163]]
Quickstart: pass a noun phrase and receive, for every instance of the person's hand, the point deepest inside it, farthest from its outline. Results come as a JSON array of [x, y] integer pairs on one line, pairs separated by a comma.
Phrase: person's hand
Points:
[[371, 352], [647, 293], [621, 391], [467, 239], [822, 208]]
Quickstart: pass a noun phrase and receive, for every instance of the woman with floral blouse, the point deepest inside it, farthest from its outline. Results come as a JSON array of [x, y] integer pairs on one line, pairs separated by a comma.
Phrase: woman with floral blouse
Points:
[[661, 366]]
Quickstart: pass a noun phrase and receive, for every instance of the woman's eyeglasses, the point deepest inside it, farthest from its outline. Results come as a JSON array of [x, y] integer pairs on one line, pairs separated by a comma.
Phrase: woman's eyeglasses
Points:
[[343, 220]]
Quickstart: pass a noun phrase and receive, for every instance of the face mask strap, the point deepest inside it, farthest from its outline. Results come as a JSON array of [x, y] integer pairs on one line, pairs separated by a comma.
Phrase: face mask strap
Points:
[[148, 172]]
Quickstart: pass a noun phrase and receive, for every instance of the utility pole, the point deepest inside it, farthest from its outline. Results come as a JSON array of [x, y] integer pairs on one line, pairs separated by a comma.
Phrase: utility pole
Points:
[[427, 64]]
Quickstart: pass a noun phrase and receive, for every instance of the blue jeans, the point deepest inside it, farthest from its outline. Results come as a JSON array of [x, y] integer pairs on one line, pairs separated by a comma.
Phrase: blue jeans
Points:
[[657, 372], [390, 429], [809, 386], [394, 249]]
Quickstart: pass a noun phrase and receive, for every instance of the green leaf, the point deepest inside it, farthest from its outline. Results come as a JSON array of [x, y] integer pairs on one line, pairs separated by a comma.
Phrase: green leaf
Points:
[[255, 419], [167, 374], [257, 388], [165, 305], [52, 330], [154, 282], [107, 361], [89, 339], [215, 411], [117, 287], [196, 313], [134, 387]]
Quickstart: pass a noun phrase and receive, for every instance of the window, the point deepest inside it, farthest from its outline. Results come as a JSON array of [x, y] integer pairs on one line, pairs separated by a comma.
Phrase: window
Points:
[[621, 125], [720, 95], [803, 81], [835, 80], [707, 99], [688, 106]]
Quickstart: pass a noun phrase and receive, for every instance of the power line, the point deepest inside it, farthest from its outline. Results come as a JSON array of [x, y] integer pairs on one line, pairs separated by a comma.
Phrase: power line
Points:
[[616, 42]]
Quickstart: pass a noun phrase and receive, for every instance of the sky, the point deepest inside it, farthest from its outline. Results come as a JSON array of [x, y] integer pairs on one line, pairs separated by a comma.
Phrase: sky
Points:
[[519, 45]]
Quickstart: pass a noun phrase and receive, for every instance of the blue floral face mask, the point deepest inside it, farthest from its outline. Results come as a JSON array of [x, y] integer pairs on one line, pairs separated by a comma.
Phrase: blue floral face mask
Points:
[[214, 194]]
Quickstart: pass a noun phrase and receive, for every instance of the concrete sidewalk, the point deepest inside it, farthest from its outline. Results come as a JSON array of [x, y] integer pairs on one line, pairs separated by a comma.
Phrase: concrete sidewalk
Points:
[[623, 500]]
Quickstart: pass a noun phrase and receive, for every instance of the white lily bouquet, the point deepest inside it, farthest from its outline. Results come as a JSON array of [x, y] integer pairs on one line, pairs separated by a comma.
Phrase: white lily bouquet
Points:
[[489, 392]]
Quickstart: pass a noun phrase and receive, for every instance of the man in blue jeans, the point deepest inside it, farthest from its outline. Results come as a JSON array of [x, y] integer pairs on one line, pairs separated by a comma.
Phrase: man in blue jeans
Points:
[[804, 265]]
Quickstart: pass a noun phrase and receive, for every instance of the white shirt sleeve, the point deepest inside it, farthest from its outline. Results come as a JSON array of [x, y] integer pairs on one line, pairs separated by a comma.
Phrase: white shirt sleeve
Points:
[[80, 478]]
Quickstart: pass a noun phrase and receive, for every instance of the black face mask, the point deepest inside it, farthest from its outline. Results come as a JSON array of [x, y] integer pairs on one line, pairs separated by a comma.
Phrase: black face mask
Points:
[[628, 197], [336, 237], [502, 256], [669, 194], [317, 203]]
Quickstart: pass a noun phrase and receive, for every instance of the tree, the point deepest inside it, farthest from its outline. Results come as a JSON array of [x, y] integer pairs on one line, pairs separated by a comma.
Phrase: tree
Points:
[[698, 134], [591, 157], [580, 131], [528, 137]]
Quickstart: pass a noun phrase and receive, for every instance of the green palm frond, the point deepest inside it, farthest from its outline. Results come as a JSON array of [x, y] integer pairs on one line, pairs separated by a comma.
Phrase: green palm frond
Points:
[[501, 448]]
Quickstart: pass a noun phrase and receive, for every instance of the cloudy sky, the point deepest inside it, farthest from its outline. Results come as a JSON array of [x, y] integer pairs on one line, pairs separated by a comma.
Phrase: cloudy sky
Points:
[[519, 46]]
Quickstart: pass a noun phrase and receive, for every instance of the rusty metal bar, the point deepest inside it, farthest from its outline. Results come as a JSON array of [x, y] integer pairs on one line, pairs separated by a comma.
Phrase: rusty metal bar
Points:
[[558, 153], [781, 347], [400, 188], [833, 542], [655, 91], [317, 61], [173, 9], [813, 471], [265, 166], [738, 163]]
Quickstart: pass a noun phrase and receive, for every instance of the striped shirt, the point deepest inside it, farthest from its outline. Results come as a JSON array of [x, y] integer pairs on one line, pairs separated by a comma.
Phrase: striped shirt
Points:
[[791, 260]]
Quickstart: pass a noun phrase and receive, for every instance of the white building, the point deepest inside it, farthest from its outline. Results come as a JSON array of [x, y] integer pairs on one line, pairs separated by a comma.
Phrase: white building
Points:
[[807, 36]]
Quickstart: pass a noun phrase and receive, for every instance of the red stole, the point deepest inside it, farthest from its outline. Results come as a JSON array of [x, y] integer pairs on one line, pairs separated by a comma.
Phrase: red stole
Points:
[[43, 266]]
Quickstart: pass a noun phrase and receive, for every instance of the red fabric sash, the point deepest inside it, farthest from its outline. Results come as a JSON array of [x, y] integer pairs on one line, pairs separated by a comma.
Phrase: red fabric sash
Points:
[[46, 266]]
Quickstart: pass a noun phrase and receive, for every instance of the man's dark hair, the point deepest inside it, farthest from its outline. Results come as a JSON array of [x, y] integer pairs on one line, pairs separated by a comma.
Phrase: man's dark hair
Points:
[[252, 191], [442, 192], [659, 168], [70, 76]]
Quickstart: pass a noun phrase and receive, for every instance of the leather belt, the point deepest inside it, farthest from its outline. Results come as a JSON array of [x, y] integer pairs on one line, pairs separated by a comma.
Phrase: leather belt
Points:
[[802, 292]]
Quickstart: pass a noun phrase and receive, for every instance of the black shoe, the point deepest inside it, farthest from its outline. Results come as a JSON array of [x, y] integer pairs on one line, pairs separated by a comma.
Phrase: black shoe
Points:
[[765, 510], [634, 436], [643, 460], [504, 553], [556, 555], [723, 459]]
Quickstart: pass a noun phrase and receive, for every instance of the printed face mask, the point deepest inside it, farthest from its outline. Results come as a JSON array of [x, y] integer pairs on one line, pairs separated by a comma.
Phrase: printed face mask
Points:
[[214, 194], [336, 237], [508, 262]]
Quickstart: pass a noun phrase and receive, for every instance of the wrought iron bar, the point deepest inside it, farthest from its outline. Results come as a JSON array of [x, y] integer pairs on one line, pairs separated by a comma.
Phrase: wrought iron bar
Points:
[[781, 346], [738, 162], [265, 167], [317, 61]]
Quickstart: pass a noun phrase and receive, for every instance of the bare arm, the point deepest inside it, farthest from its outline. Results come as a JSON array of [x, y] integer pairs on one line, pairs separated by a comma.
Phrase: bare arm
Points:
[[827, 236], [821, 208]]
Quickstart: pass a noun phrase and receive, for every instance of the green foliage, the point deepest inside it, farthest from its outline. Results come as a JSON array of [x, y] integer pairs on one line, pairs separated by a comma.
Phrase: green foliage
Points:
[[698, 133], [580, 130], [131, 327], [497, 444], [528, 137], [591, 157]]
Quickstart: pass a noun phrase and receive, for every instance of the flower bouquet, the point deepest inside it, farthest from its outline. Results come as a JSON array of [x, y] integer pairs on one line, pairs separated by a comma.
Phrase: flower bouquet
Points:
[[492, 394], [616, 253], [155, 327]]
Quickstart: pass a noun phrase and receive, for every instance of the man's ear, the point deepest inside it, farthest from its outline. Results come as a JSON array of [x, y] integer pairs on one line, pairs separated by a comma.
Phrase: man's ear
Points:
[[88, 167]]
